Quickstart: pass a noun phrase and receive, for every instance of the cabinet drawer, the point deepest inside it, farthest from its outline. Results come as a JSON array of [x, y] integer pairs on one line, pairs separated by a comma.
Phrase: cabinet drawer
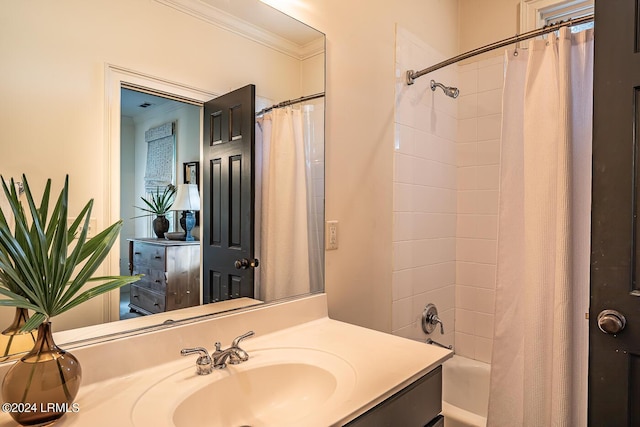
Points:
[[152, 279], [147, 299], [150, 256]]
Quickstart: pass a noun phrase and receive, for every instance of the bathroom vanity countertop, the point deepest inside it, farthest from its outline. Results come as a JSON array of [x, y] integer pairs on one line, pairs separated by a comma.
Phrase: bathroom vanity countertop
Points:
[[383, 365]]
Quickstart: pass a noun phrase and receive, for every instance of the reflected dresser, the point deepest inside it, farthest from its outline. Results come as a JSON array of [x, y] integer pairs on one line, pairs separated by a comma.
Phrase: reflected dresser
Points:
[[171, 271]]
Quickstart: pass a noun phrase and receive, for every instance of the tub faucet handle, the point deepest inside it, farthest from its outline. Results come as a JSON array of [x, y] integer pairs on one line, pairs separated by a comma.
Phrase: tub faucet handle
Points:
[[435, 320], [430, 319]]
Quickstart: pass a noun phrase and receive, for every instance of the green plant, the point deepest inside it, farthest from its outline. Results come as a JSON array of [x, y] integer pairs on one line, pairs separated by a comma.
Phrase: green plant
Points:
[[159, 203], [45, 262]]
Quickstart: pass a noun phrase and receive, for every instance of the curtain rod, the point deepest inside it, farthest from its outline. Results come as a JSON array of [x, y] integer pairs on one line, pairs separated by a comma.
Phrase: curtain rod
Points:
[[291, 102], [412, 75]]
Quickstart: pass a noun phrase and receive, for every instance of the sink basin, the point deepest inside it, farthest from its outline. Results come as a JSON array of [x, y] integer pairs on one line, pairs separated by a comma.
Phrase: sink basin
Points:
[[275, 387]]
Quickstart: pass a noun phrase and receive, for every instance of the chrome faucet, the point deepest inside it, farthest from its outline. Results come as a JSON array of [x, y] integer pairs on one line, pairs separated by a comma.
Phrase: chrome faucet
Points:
[[233, 354], [205, 364]]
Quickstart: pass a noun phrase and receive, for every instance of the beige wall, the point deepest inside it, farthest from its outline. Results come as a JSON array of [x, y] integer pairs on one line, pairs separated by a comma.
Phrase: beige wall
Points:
[[484, 22]]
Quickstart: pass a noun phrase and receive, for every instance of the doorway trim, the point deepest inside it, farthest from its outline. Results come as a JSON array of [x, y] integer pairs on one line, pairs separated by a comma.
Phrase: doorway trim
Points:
[[115, 78]]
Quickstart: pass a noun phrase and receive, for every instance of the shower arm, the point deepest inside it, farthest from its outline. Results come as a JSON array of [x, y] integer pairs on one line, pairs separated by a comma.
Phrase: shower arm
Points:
[[452, 92], [435, 84]]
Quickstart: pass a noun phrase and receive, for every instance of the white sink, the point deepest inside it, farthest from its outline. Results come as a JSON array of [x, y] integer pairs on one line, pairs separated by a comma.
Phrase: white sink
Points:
[[275, 387]]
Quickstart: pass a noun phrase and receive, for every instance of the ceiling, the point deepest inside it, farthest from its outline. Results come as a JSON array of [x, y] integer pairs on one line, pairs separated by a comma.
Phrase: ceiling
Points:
[[131, 101], [267, 18]]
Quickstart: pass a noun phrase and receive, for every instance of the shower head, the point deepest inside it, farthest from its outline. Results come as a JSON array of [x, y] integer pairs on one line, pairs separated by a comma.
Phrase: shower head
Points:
[[450, 91]]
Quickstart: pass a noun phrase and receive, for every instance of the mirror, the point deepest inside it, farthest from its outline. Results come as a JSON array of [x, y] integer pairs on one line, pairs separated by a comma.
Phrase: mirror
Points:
[[188, 50]]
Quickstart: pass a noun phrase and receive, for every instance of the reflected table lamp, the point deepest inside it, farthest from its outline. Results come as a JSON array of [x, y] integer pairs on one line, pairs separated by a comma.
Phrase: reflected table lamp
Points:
[[188, 200]]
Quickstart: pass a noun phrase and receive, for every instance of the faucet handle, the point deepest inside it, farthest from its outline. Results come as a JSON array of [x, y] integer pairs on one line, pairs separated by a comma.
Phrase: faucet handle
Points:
[[238, 355], [430, 319], [435, 320], [204, 364], [236, 341]]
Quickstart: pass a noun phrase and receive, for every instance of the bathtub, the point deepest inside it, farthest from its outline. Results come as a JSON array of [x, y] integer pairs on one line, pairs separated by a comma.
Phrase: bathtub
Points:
[[465, 392]]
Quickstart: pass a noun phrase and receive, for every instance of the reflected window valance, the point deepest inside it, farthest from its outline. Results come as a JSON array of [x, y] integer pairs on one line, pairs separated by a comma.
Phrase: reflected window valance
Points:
[[161, 147]]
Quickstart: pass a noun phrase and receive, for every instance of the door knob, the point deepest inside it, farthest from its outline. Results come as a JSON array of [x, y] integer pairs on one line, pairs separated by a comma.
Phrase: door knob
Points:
[[243, 264], [611, 321]]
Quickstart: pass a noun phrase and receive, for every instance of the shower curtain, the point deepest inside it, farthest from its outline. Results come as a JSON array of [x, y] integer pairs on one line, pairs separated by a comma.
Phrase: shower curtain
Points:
[[539, 362], [282, 201]]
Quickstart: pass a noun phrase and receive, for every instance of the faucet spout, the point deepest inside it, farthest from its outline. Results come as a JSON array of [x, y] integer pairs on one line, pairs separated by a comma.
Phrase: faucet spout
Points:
[[220, 356]]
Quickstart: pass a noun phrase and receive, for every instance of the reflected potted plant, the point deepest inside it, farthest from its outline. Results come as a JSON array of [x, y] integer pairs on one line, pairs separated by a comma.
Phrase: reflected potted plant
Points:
[[47, 266], [14, 340], [159, 205]]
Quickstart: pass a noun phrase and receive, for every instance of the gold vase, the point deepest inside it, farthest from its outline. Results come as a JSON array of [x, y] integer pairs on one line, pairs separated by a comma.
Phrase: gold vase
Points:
[[42, 385], [12, 340]]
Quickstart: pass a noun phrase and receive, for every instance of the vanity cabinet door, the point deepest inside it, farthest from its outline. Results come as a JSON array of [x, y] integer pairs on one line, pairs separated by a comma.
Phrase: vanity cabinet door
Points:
[[417, 405]]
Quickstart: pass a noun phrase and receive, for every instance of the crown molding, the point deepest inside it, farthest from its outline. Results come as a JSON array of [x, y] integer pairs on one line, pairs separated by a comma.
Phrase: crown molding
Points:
[[245, 29]]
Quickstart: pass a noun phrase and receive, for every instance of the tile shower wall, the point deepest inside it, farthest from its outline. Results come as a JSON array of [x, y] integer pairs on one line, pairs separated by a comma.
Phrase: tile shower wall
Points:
[[424, 195], [478, 160], [446, 172]]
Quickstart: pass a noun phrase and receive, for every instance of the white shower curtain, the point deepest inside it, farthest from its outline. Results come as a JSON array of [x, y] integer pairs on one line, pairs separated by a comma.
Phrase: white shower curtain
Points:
[[280, 165], [539, 362], [313, 132]]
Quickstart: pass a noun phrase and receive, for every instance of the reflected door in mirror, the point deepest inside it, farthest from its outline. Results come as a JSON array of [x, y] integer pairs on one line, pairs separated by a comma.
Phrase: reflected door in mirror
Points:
[[228, 195]]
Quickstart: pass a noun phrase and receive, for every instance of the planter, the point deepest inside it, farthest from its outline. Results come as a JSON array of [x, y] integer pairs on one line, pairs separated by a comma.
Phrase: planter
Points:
[[160, 226], [12, 340], [43, 384]]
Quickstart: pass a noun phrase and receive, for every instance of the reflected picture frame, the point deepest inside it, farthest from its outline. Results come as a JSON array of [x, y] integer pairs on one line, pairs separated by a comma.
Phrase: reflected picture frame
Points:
[[192, 176], [192, 173]]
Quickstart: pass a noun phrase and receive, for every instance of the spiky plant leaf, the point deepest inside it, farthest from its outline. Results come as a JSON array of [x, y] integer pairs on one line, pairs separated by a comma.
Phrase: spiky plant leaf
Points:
[[159, 203], [45, 263]]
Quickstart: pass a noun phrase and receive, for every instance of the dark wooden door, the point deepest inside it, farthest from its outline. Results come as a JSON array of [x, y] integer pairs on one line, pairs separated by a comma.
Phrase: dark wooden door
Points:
[[614, 357], [228, 196]]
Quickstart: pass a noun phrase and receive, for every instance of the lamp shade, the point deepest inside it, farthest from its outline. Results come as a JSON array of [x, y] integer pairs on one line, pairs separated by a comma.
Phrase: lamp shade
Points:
[[187, 198]]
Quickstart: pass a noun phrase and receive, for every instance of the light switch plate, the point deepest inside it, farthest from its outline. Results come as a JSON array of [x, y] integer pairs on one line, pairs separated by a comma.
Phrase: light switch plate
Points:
[[331, 237], [93, 225]]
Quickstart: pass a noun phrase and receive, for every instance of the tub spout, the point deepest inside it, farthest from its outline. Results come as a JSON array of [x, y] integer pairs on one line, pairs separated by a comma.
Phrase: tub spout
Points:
[[432, 342]]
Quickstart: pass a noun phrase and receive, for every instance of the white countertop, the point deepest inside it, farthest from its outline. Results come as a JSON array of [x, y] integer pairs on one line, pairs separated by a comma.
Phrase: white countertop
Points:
[[383, 365]]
